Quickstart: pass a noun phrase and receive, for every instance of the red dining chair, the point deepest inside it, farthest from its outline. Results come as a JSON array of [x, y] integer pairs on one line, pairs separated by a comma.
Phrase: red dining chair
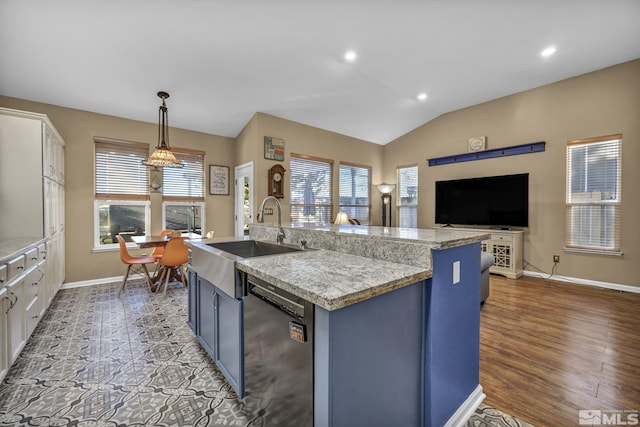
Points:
[[133, 262], [174, 258]]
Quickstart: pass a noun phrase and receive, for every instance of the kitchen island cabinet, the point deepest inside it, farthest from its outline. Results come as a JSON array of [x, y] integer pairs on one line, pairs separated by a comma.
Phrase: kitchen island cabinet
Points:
[[219, 326], [395, 343]]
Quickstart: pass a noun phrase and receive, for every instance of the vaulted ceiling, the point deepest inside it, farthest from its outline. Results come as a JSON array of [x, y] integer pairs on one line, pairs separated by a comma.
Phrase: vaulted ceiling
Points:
[[223, 61]]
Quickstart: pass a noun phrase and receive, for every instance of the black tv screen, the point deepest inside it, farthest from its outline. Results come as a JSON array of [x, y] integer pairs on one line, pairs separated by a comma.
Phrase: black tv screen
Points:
[[499, 201]]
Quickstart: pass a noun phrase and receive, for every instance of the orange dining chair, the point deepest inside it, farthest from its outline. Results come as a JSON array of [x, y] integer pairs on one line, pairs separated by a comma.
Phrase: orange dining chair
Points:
[[133, 261], [174, 258], [159, 250]]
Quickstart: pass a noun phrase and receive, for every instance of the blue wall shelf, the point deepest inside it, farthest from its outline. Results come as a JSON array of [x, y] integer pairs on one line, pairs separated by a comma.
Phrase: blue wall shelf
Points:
[[533, 147]]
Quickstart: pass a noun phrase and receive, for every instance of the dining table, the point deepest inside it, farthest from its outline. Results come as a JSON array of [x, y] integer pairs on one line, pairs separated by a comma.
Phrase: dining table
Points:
[[160, 240]]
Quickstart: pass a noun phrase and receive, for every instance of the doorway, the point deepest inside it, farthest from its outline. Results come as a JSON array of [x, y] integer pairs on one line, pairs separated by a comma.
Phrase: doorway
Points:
[[243, 198]]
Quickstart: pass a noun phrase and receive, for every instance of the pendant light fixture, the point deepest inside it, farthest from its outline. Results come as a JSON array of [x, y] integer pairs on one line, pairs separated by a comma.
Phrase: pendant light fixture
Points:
[[163, 157]]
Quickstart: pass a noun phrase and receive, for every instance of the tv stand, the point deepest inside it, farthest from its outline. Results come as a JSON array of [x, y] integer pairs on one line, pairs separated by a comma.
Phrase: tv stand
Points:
[[507, 247]]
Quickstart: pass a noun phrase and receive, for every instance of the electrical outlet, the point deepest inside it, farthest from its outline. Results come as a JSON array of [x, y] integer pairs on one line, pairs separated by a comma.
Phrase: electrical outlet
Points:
[[556, 259]]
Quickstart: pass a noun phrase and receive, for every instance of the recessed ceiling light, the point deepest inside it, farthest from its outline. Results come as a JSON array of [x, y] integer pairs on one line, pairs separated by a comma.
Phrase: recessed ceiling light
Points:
[[548, 51], [422, 96], [350, 56]]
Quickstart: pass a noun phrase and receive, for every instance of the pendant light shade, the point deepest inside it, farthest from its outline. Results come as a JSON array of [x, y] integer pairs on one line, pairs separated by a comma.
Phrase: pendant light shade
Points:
[[163, 157]]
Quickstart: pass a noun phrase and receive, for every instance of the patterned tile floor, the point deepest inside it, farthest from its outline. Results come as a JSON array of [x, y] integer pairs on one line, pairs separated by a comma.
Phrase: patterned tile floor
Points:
[[98, 360]]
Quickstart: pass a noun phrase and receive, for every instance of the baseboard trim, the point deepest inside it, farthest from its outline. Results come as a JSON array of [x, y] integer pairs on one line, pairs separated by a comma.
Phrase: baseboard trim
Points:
[[607, 285], [95, 282], [467, 409]]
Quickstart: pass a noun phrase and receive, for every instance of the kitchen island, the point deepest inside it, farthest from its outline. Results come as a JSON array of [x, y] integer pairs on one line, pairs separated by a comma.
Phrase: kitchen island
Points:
[[396, 328]]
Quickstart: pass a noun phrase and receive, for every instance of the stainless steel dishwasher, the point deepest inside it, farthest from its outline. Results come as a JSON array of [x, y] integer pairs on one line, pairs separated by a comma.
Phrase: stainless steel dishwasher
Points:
[[278, 355]]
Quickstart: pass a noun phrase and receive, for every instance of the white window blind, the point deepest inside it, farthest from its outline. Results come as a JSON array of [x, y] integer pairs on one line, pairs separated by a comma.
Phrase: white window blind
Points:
[[408, 196], [186, 183], [355, 188], [593, 194], [310, 188], [120, 174]]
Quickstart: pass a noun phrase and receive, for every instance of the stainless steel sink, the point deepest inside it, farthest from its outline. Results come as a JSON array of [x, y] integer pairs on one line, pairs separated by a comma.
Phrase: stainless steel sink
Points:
[[253, 248], [216, 262]]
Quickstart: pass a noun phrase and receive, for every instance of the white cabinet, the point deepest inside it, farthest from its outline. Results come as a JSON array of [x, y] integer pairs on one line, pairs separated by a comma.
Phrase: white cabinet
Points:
[[32, 209], [23, 298], [5, 304], [16, 328], [32, 155], [507, 247]]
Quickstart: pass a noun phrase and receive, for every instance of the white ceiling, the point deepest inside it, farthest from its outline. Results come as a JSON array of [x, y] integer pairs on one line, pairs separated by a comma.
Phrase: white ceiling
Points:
[[222, 61]]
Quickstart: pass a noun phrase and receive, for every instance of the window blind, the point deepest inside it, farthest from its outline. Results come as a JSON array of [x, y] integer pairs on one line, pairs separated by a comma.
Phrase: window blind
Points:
[[593, 194], [120, 174], [186, 183], [408, 196], [355, 188], [310, 188]]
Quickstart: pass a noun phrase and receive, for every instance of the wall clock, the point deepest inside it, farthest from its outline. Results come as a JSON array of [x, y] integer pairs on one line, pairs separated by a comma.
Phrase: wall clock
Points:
[[276, 181], [477, 143]]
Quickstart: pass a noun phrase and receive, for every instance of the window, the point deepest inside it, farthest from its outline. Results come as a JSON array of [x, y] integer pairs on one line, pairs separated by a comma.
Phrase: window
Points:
[[310, 187], [186, 183], [593, 194], [354, 191], [408, 196], [121, 191], [186, 217], [183, 193]]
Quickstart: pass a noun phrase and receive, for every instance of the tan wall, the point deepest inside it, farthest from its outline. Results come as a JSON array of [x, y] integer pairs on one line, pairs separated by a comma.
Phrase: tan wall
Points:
[[600, 103], [303, 139], [596, 104], [78, 129]]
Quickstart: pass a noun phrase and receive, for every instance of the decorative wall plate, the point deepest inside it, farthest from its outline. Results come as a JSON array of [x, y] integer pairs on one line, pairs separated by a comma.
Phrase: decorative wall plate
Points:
[[477, 143]]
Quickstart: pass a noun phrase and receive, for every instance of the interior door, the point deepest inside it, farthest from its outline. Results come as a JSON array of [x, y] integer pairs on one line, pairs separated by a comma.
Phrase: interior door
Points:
[[243, 198]]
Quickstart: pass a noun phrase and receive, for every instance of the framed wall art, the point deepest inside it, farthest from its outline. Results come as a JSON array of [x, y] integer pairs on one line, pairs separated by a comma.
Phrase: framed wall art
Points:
[[273, 148], [219, 180]]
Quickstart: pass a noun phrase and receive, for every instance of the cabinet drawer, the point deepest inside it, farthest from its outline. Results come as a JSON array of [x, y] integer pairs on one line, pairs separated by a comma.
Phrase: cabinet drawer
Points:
[[15, 267], [3, 274], [42, 252], [31, 257], [31, 284], [502, 238]]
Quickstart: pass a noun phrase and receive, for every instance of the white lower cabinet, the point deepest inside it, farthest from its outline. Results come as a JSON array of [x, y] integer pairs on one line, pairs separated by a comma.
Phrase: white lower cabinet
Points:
[[4, 316], [24, 298], [16, 330]]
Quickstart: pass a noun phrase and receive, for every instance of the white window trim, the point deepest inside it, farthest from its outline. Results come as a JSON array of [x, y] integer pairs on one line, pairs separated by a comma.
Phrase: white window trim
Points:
[[201, 205], [97, 247]]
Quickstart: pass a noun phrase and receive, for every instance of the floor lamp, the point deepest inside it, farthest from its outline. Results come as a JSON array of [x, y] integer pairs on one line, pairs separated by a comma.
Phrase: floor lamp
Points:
[[386, 190]]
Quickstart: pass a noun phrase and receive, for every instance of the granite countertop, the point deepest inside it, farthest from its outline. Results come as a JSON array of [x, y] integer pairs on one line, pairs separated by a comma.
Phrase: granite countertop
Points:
[[332, 280], [442, 238], [12, 246]]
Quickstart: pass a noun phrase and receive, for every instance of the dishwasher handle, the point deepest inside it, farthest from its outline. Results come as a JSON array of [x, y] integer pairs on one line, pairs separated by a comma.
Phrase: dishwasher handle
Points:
[[276, 299]]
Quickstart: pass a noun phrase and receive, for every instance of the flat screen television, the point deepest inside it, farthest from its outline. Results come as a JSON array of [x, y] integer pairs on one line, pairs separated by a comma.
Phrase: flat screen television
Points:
[[498, 201]]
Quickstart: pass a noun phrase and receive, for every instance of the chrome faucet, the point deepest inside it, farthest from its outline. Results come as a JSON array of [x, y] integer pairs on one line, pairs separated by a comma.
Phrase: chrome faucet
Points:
[[280, 237]]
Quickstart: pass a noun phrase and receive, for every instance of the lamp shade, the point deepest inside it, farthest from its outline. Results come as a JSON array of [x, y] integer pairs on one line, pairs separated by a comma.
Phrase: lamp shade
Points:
[[342, 218], [386, 188]]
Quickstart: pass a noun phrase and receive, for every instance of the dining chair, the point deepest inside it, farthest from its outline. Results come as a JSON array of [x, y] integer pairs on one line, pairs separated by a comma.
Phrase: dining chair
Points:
[[159, 250], [174, 258], [133, 262]]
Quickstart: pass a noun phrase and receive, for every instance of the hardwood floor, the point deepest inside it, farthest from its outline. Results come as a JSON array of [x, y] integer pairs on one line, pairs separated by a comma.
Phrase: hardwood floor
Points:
[[549, 349]]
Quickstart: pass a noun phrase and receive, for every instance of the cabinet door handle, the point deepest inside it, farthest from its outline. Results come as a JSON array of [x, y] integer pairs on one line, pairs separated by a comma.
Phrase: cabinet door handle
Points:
[[20, 267], [10, 305], [212, 300]]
